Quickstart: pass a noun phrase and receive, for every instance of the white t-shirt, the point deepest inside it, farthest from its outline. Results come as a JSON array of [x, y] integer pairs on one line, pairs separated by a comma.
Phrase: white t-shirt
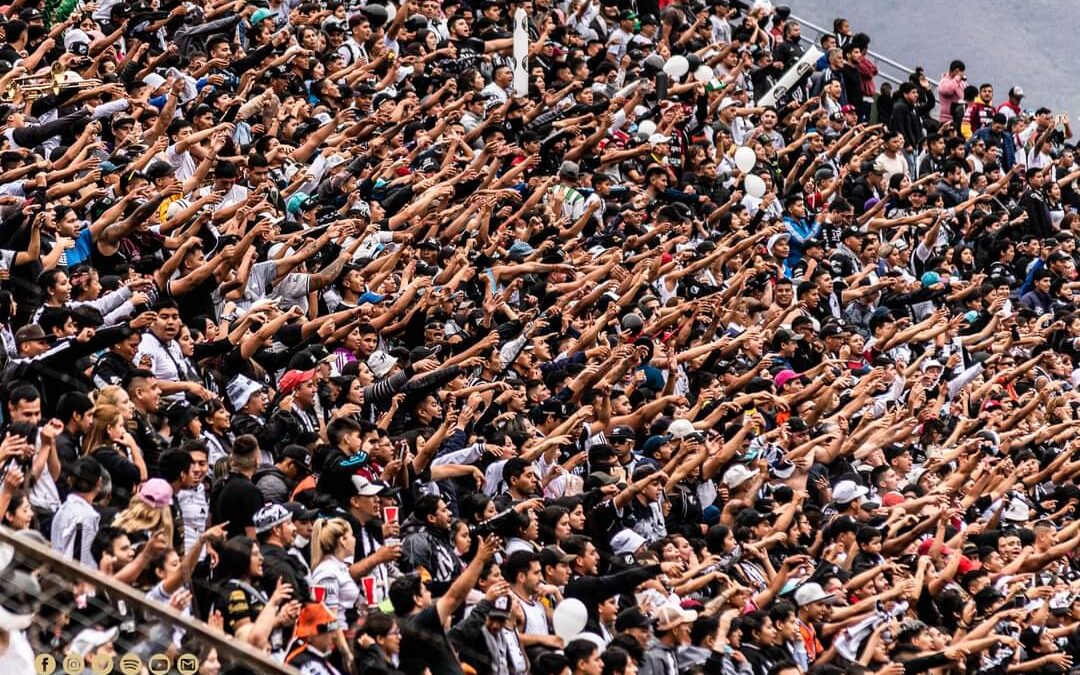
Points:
[[891, 166], [164, 357], [493, 90], [293, 291], [617, 43], [158, 594], [236, 195], [194, 507], [342, 593], [536, 622], [182, 163]]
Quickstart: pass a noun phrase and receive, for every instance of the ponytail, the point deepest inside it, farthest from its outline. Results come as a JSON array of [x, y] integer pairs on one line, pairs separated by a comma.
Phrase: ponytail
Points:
[[316, 543], [326, 537]]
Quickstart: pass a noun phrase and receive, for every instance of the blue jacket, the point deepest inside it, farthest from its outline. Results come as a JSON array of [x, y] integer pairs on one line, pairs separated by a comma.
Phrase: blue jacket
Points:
[[1038, 301], [800, 231]]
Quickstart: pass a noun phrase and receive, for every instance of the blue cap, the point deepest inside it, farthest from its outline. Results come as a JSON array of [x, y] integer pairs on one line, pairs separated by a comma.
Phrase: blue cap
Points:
[[368, 296], [653, 443], [930, 278], [296, 202], [519, 251], [710, 515], [261, 14]]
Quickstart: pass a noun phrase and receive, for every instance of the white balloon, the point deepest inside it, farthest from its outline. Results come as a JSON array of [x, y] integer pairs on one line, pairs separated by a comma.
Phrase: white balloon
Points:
[[391, 12], [745, 159], [593, 638], [704, 74], [647, 127], [569, 618], [677, 66], [754, 185]]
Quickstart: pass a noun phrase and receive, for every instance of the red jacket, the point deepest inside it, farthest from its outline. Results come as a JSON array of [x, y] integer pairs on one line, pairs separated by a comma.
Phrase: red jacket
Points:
[[867, 72]]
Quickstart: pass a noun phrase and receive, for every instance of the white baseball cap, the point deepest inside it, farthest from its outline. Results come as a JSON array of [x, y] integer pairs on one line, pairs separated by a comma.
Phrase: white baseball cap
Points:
[[680, 429], [738, 474], [847, 491], [381, 363], [626, 541], [90, 639], [811, 592]]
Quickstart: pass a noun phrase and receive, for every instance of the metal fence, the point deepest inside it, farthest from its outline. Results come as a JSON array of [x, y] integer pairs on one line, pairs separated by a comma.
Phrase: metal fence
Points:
[[74, 597], [888, 70]]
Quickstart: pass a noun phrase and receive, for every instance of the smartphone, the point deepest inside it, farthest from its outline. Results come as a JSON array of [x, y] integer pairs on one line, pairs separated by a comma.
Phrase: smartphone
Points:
[[316, 232], [231, 113]]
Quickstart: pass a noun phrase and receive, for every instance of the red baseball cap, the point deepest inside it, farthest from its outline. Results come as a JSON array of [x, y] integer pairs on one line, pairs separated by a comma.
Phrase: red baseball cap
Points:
[[891, 499], [967, 564], [293, 379], [924, 548]]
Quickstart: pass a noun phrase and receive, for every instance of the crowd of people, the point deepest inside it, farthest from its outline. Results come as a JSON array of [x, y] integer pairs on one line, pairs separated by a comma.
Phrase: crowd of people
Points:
[[331, 326]]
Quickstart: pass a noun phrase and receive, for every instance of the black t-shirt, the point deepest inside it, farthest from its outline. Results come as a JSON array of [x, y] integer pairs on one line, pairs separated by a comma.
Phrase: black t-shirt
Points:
[[111, 369], [197, 300], [424, 645], [239, 601], [9, 53], [236, 500], [470, 52]]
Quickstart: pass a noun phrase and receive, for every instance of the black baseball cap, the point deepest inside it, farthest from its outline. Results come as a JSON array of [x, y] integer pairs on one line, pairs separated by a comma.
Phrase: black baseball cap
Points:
[[298, 454], [632, 617], [750, 518], [299, 512], [784, 335], [621, 433], [553, 555]]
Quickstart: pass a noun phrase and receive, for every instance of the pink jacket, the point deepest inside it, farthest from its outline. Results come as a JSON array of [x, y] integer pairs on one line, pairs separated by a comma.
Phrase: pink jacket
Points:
[[949, 91]]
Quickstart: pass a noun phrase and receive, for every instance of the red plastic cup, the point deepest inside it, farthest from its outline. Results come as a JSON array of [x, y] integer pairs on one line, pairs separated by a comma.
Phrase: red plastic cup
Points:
[[369, 589], [390, 514], [319, 592]]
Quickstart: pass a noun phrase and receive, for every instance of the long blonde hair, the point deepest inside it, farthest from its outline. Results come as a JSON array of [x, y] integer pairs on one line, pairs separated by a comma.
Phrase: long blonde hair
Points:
[[141, 517], [326, 538], [105, 416], [109, 395]]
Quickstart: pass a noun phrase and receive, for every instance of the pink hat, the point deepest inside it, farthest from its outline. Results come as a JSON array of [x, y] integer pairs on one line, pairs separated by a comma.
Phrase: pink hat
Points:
[[785, 376], [156, 493]]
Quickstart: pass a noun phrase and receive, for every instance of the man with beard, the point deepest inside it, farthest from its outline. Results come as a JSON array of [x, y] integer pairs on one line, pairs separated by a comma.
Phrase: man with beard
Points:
[[275, 530], [673, 625], [373, 556], [519, 477], [426, 544], [144, 390]]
